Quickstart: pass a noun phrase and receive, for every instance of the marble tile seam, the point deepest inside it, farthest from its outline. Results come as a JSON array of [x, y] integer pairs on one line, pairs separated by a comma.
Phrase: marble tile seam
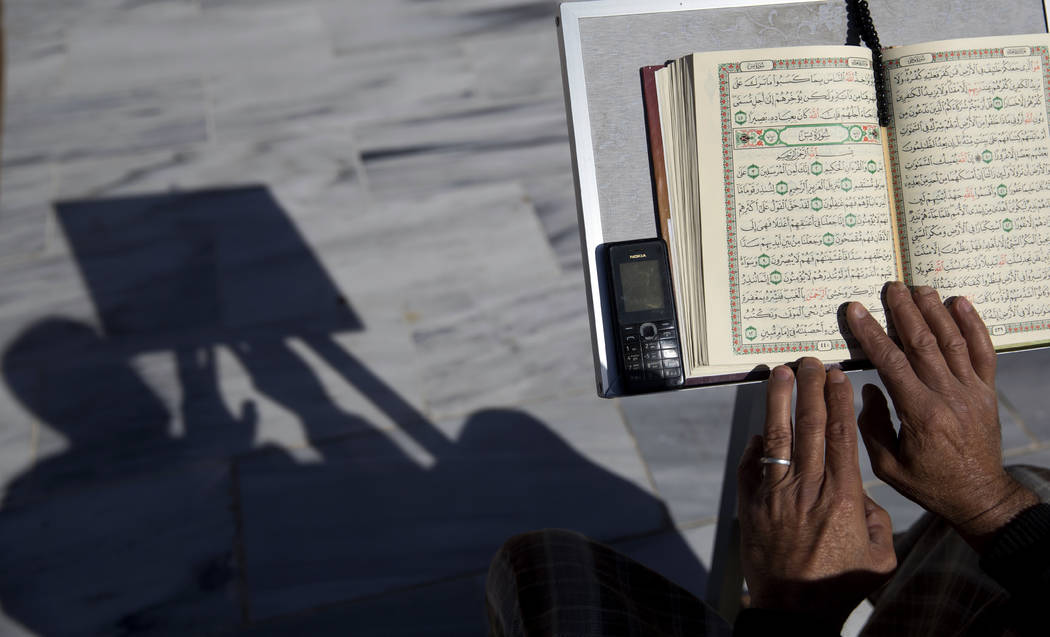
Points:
[[34, 442], [102, 125], [874, 482], [1008, 454], [1015, 414], [470, 125], [33, 424], [239, 553], [453, 149], [20, 257], [158, 161], [1021, 451], [358, 164], [94, 485], [698, 523], [52, 242], [211, 137], [455, 577], [313, 443], [24, 179], [477, 572], [80, 155], [529, 201], [236, 31], [341, 49], [531, 401], [522, 112], [100, 98], [637, 448]]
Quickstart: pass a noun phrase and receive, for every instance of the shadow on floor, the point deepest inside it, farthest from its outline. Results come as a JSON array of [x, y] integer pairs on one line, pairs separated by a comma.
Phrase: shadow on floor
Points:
[[128, 527]]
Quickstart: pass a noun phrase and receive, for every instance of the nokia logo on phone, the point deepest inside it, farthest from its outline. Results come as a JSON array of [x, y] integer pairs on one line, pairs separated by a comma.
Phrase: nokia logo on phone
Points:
[[637, 256]]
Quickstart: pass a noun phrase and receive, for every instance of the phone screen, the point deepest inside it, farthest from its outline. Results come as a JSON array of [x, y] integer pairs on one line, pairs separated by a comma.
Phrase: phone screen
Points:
[[642, 286]]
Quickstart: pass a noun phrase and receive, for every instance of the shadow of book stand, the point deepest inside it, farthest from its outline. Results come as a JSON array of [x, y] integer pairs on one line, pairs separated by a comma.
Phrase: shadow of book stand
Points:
[[604, 43], [218, 452]]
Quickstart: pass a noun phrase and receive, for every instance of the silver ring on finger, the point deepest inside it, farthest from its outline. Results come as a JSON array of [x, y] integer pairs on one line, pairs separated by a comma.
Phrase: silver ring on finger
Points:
[[768, 460]]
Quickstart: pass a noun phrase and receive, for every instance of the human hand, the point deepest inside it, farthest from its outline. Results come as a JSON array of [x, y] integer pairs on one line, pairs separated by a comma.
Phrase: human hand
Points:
[[947, 456], [811, 540]]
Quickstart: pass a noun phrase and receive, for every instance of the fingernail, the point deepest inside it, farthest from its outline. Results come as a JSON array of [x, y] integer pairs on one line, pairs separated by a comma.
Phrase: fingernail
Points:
[[924, 290], [812, 363], [899, 287], [964, 304], [836, 376], [782, 373], [857, 311]]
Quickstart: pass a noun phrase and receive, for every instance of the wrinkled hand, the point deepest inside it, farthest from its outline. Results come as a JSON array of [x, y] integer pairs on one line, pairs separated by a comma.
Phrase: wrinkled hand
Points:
[[811, 540], [947, 456]]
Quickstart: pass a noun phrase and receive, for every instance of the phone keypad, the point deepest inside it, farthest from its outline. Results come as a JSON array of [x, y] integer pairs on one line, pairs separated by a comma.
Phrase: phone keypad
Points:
[[652, 354]]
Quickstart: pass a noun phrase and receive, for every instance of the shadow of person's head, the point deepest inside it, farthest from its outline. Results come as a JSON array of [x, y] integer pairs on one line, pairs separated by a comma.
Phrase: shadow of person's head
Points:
[[502, 472], [65, 374]]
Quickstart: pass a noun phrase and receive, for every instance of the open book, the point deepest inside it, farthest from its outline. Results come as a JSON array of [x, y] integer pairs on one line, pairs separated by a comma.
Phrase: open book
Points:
[[785, 199]]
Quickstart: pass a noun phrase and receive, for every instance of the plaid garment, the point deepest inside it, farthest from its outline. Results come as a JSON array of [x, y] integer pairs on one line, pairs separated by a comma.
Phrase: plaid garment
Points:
[[939, 587], [555, 582]]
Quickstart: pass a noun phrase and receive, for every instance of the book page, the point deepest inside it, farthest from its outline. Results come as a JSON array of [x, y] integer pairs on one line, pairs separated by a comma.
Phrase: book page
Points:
[[971, 148], [795, 206]]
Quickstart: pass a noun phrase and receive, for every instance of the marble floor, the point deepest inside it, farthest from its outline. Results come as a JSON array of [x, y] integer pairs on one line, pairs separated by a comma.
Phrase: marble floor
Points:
[[292, 325]]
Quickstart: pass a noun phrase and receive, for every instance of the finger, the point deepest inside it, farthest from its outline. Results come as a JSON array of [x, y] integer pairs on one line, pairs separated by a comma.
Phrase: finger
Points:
[[946, 330], [876, 429], [880, 526], [777, 436], [749, 471], [810, 418], [917, 340], [841, 461], [893, 366], [978, 342]]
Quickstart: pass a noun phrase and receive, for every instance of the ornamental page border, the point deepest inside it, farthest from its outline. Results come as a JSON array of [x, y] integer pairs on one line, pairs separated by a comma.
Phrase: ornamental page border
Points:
[[1000, 329], [728, 142]]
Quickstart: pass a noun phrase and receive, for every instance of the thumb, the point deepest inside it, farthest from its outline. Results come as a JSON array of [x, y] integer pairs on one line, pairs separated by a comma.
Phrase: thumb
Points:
[[880, 526], [876, 428], [880, 533]]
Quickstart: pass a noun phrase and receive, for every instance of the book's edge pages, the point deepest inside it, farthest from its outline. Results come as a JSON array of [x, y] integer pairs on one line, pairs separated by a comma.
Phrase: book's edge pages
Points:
[[691, 213], [655, 134], [1008, 342], [678, 121], [891, 197]]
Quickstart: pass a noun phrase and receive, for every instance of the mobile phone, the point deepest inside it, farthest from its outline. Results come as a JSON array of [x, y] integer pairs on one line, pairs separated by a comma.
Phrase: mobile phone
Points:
[[648, 346]]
